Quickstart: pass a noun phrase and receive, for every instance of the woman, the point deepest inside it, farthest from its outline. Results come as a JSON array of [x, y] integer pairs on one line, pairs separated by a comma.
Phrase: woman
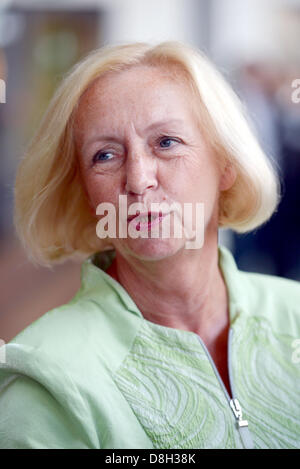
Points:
[[138, 358]]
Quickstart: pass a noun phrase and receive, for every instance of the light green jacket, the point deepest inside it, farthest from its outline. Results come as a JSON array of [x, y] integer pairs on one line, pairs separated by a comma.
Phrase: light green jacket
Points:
[[94, 373]]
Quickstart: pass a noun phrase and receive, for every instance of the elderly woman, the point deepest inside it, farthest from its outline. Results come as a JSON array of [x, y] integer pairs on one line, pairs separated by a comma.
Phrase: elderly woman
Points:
[[166, 344]]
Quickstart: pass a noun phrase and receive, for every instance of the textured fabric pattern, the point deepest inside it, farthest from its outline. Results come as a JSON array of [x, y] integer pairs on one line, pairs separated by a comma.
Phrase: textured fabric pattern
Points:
[[268, 383], [173, 391]]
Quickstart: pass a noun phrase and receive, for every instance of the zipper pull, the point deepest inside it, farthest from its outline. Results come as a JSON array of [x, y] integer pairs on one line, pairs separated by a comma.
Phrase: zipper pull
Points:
[[237, 410]]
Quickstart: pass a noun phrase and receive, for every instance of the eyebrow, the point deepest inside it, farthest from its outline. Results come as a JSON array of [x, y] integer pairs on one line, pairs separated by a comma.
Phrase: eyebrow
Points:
[[150, 127]]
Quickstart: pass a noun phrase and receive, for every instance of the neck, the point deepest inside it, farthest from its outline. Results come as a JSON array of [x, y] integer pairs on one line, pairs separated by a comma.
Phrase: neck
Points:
[[185, 291]]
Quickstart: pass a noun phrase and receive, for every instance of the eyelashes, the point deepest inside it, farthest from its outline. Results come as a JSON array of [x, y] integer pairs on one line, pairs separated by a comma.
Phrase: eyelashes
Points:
[[164, 139], [163, 142], [102, 153]]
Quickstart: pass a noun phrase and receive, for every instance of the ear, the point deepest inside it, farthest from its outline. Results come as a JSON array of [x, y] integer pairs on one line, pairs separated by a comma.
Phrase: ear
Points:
[[228, 177]]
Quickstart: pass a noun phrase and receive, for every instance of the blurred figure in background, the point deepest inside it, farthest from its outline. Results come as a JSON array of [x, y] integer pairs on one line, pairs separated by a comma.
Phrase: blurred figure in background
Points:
[[277, 124], [290, 152]]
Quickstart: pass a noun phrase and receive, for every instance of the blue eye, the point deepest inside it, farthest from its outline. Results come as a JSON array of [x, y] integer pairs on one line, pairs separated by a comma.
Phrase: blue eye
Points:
[[166, 142], [101, 156]]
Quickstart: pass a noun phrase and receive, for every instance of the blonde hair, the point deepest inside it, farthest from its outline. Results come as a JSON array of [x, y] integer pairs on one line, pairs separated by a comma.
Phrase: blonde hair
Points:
[[51, 215]]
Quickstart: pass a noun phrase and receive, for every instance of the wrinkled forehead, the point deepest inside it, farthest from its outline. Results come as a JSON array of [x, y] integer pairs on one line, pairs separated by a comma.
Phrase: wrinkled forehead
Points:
[[160, 90]]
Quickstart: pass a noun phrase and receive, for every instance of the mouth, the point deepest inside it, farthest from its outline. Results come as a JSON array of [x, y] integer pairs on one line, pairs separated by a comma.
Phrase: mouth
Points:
[[146, 220]]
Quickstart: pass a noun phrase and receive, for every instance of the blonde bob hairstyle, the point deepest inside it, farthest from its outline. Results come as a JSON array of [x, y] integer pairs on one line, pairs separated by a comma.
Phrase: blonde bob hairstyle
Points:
[[52, 217]]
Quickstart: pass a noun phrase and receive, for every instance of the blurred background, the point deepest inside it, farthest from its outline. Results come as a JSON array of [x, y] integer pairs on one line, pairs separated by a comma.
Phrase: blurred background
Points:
[[254, 43]]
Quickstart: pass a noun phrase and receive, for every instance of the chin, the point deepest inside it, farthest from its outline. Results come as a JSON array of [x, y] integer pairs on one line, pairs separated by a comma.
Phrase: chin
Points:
[[150, 249]]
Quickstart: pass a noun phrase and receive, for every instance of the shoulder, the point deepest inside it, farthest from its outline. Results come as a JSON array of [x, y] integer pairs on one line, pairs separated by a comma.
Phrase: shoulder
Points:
[[274, 298], [41, 405], [47, 376], [57, 332], [263, 296], [65, 331], [61, 366], [284, 290]]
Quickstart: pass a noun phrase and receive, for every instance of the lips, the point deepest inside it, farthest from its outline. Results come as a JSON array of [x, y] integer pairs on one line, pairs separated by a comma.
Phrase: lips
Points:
[[147, 220], [145, 217]]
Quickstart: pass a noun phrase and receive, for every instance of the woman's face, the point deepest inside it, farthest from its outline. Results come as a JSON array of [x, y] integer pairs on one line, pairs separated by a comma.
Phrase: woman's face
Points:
[[137, 134]]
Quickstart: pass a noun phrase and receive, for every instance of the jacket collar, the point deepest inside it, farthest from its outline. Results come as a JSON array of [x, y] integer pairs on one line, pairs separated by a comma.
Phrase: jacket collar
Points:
[[97, 284]]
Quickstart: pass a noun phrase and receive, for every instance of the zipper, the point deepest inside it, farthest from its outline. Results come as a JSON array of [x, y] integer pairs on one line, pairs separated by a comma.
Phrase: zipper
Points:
[[241, 424]]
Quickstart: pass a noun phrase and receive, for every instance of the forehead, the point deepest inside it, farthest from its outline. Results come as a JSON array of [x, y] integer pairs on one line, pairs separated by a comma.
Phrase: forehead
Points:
[[161, 90]]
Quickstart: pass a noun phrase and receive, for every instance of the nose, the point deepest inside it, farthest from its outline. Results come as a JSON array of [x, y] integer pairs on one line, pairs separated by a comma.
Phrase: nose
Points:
[[141, 171]]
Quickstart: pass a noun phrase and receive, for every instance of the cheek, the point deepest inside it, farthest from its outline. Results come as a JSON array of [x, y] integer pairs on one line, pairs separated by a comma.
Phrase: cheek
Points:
[[100, 189], [197, 175], [200, 184]]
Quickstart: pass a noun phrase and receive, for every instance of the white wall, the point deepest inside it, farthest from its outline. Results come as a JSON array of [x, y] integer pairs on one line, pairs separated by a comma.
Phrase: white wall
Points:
[[247, 29], [138, 20], [153, 21]]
